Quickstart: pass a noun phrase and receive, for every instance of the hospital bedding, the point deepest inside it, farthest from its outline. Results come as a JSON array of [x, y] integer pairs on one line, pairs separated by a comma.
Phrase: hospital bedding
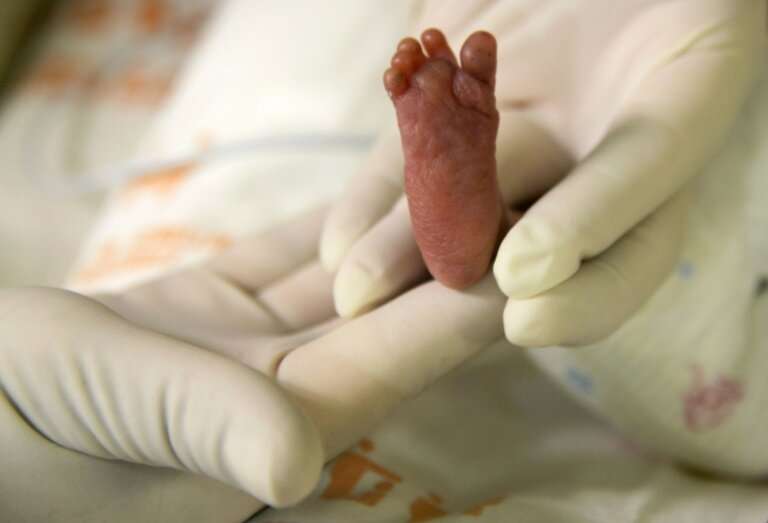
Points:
[[494, 440], [95, 76]]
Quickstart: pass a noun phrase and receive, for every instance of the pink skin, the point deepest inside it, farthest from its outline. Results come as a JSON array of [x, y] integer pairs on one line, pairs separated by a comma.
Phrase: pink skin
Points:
[[448, 124]]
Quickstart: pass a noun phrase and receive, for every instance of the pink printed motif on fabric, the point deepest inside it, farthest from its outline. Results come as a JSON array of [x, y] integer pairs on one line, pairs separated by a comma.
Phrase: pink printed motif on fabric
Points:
[[709, 404]]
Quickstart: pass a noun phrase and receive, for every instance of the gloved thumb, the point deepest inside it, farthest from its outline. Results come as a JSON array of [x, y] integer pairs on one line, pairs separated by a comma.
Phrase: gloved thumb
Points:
[[92, 382]]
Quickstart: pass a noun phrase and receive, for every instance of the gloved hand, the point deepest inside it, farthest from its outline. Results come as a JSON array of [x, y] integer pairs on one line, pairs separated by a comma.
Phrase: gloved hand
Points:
[[88, 397], [267, 303], [607, 110], [190, 372]]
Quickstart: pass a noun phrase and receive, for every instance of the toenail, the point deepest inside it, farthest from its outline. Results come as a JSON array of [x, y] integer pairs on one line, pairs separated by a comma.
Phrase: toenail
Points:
[[409, 44], [404, 61], [394, 81], [475, 55], [433, 36], [483, 34], [481, 42]]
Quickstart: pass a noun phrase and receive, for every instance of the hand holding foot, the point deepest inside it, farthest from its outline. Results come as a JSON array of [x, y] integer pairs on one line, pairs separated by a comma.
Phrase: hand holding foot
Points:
[[599, 133]]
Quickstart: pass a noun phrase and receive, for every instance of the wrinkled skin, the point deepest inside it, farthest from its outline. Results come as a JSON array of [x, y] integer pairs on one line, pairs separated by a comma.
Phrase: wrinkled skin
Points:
[[448, 123]]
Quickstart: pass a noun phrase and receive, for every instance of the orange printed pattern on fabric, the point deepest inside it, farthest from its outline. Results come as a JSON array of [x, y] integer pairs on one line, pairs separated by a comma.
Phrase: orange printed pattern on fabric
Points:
[[161, 183], [426, 508], [356, 477], [55, 73], [477, 510], [351, 469], [133, 85], [137, 85], [90, 15], [152, 15], [152, 248], [120, 72]]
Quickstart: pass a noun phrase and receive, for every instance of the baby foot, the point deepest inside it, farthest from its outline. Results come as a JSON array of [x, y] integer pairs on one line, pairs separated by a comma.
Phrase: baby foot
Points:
[[448, 123]]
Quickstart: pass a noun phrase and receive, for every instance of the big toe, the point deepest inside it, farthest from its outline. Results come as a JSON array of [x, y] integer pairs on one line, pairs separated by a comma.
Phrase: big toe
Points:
[[478, 56]]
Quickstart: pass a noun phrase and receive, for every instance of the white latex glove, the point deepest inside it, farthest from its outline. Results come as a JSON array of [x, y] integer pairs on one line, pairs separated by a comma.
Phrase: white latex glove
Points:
[[607, 110], [267, 303], [80, 383], [88, 396]]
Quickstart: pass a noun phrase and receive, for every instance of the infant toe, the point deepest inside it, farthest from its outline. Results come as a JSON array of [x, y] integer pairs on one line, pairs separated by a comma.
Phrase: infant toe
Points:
[[478, 56], [437, 46], [407, 62], [409, 44], [395, 82]]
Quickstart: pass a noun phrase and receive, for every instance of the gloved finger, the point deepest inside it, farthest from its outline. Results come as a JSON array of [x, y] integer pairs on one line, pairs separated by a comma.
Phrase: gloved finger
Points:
[[93, 383], [255, 330], [40, 479], [265, 354], [382, 263], [265, 257], [607, 290], [530, 161], [350, 379], [301, 299], [179, 305], [368, 197], [663, 134], [386, 260]]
